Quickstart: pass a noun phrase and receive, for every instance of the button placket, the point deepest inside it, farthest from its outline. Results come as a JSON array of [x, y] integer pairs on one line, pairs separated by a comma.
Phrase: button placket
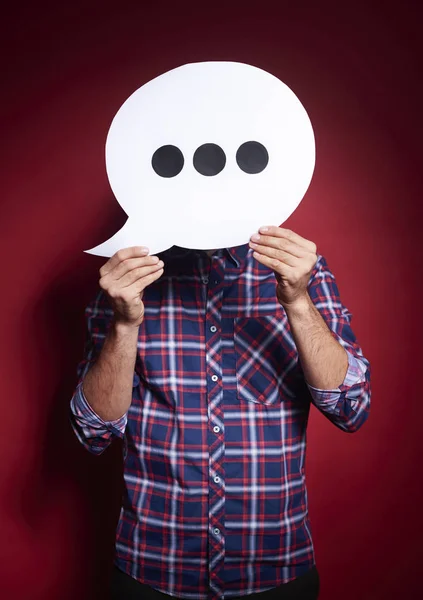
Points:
[[213, 330]]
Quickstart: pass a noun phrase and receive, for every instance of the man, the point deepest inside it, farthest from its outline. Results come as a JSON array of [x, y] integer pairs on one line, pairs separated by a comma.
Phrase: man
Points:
[[205, 363]]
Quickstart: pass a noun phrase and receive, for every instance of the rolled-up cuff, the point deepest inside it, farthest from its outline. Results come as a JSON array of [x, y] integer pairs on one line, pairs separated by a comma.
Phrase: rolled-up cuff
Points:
[[84, 411], [356, 373]]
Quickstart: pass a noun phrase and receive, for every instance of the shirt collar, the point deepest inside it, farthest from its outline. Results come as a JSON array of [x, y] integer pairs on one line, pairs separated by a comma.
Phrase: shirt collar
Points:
[[237, 254]]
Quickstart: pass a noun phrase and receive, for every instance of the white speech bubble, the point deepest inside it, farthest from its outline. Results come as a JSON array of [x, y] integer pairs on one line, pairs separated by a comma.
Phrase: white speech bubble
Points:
[[236, 107]]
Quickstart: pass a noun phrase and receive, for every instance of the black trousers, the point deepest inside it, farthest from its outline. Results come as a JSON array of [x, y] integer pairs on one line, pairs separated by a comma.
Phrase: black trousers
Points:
[[306, 587]]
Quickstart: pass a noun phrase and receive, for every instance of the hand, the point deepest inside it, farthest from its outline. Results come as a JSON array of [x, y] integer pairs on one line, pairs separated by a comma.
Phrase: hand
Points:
[[290, 256], [124, 278]]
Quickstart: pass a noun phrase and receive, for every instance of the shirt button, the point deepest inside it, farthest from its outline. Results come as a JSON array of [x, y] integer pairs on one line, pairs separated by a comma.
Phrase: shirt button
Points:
[[216, 531], [216, 479], [213, 328], [215, 377], [205, 279], [216, 429]]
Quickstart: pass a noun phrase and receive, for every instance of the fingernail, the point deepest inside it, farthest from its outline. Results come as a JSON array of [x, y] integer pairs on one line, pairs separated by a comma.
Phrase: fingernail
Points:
[[145, 250], [255, 237], [262, 229]]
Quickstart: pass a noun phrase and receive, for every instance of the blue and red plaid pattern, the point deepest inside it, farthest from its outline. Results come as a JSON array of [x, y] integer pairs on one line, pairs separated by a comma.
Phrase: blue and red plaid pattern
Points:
[[215, 501]]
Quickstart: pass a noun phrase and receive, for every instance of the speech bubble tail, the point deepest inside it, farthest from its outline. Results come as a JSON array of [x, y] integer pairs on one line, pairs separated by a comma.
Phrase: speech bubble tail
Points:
[[126, 237], [121, 239]]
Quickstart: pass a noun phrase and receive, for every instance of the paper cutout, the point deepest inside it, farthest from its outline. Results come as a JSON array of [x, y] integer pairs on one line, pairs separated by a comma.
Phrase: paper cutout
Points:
[[209, 159], [252, 157], [167, 161], [203, 155]]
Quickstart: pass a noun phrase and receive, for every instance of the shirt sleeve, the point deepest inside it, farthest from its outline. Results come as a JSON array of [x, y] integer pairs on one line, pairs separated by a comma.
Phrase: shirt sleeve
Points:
[[348, 405], [92, 431]]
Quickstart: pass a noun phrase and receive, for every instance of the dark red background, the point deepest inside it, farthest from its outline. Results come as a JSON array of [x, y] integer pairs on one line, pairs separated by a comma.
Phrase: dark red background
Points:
[[67, 68]]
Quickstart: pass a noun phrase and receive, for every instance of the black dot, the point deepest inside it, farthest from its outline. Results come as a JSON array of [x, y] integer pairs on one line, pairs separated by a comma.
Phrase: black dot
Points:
[[209, 159], [252, 157], [167, 161]]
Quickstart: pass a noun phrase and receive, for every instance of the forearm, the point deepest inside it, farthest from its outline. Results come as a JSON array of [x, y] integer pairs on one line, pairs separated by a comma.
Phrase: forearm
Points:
[[324, 361], [108, 384]]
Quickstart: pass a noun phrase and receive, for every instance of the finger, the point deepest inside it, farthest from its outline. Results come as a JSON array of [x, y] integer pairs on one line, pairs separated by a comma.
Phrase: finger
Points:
[[121, 255], [274, 264], [141, 284], [138, 274], [278, 255], [130, 264], [277, 243], [289, 235], [136, 289]]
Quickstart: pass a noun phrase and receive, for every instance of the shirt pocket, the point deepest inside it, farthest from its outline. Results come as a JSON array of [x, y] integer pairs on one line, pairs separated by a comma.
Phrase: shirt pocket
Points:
[[267, 367]]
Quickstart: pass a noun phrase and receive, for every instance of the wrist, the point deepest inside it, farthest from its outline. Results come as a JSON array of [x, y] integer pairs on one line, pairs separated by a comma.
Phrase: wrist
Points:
[[299, 306], [123, 329]]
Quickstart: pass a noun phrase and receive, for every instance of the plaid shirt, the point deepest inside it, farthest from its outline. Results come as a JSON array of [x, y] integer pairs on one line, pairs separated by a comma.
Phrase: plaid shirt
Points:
[[215, 501]]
